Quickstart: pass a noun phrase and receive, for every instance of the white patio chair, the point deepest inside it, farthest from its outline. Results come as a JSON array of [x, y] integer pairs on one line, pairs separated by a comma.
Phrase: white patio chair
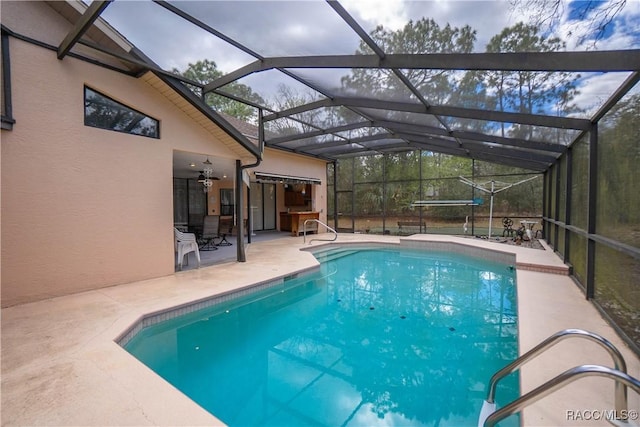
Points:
[[185, 243]]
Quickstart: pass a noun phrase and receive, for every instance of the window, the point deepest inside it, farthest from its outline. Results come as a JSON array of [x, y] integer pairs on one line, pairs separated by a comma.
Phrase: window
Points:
[[103, 112], [227, 205]]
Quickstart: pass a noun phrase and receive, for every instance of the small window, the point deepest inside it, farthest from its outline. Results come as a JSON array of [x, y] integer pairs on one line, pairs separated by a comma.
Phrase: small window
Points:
[[103, 112], [227, 204]]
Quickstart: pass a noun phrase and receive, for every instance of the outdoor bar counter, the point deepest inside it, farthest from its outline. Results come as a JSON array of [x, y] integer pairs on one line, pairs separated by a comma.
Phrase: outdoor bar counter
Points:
[[294, 222]]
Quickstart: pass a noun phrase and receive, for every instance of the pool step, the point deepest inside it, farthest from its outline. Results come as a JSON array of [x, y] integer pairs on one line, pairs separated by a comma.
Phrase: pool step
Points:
[[333, 254]]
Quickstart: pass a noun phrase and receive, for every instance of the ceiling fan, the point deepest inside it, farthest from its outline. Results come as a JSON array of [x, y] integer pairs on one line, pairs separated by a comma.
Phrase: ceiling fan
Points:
[[207, 173]]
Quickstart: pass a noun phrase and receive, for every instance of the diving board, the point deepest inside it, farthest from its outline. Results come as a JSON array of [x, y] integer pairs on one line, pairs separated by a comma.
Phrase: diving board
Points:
[[424, 203]]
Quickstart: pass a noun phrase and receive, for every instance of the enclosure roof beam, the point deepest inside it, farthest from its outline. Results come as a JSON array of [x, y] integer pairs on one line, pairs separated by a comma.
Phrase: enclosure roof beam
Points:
[[359, 140], [335, 143], [474, 136], [518, 158], [478, 147], [441, 110], [81, 26], [454, 151], [522, 153], [590, 61], [420, 130], [343, 128]]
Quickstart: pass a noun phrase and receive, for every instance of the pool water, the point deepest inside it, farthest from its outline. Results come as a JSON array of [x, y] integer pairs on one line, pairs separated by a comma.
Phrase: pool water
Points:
[[374, 337]]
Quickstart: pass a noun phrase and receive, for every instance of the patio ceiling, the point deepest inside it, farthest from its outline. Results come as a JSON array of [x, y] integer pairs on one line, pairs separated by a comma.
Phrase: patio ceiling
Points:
[[337, 121]]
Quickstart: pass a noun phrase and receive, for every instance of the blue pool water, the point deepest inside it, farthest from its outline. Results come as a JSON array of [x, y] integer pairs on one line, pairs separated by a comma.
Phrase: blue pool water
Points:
[[375, 337]]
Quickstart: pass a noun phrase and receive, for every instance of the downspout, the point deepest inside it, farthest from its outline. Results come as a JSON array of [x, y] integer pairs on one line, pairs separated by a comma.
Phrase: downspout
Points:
[[240, 252]]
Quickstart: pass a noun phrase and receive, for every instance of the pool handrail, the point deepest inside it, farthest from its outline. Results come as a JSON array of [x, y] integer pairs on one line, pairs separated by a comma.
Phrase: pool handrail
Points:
[[304, 231], [619, 363], [560, 381]]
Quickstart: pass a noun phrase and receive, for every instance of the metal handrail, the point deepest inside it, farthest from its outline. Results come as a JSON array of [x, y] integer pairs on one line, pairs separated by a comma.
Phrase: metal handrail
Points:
[[561, 380], [304, 231], [618, 362]]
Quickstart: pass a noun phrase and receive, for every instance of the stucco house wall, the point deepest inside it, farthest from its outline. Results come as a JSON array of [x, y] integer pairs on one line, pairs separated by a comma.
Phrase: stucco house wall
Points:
[[82, 207]]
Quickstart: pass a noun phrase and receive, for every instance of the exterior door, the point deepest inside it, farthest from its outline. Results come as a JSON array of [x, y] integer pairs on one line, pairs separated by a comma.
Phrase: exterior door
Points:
[[263, 206]]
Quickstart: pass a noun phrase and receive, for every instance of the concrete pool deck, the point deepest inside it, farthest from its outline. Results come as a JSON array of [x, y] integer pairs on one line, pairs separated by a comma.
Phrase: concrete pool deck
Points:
[[61, 366]]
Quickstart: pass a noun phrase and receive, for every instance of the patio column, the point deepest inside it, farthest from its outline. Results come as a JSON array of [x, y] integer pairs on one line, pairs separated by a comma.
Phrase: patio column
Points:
[[241, 255], [591, 219]]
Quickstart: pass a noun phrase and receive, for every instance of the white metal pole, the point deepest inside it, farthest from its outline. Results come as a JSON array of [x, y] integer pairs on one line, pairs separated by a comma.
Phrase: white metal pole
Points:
[[491, 209]]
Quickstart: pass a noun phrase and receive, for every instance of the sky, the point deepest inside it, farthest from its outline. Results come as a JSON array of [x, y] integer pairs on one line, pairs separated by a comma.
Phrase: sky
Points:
[[312, 27]]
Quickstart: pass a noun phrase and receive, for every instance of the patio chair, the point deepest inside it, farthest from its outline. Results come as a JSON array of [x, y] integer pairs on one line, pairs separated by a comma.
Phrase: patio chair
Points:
[[184, 244], [195, 224], [226, 227], [507, 223], [210, 232]]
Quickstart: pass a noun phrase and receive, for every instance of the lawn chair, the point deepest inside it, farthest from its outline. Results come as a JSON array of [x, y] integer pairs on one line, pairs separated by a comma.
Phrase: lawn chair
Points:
[[507, 223], [210, 232], [184, 244]]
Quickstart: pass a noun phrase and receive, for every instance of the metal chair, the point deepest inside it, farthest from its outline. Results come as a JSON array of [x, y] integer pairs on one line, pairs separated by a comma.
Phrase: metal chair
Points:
[[210, 231], [226, 227], [507, 223]]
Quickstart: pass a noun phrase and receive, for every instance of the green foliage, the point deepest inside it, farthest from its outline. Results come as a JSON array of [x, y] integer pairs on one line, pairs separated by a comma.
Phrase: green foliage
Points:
[[369, 168], [422, 36], [526, 91], [205, 71], [619, 153], [402, 166]]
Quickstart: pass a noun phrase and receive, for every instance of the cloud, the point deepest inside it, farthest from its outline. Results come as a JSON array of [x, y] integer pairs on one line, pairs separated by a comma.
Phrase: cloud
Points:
[[595, 90], [312, 27], [392, 14], [486, 17]]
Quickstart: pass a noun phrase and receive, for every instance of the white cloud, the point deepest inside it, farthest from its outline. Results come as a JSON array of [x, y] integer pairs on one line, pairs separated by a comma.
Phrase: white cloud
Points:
[[392, 14], [596, 89]]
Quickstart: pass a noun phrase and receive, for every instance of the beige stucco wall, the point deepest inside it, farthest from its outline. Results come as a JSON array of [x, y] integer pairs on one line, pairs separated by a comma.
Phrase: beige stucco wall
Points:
[[82, 207]]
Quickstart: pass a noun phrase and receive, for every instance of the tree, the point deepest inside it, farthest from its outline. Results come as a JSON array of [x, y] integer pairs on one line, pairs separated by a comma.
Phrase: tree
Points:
[[288, 97], [205, 71], [422, 36], [526, 91], [617, 192], [591, 19]]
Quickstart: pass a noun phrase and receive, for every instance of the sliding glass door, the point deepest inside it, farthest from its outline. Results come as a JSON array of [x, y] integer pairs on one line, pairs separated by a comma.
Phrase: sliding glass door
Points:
[[263, 206]]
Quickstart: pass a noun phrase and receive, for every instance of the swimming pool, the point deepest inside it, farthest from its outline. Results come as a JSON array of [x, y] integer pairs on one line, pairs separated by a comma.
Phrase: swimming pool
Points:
[[373, 337]]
